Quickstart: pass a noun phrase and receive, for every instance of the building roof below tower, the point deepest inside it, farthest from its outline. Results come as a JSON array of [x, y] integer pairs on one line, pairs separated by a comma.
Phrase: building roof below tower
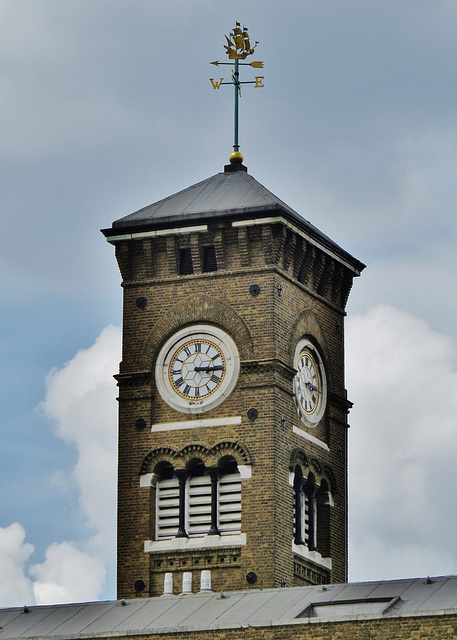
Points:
[[241, 610]]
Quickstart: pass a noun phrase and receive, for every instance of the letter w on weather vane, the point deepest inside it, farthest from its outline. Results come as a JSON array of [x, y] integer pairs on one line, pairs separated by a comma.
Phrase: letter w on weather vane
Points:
[[238, 48]]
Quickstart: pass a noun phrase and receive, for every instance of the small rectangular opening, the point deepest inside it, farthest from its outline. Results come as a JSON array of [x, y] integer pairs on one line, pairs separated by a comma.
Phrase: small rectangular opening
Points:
[[209, 259], [185, 262]]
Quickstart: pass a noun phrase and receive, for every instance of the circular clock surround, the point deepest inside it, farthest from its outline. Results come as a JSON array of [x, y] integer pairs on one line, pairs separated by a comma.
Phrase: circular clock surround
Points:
[[197, 368], [310, 383]]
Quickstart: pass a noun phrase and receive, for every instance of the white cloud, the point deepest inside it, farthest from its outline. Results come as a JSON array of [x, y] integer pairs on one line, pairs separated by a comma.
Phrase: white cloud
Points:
[[402, 445], [67, 575], [15, 587], [80, 400]]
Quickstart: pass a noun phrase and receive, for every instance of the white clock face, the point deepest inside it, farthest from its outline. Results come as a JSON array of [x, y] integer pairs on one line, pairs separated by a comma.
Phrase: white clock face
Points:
[[310, 384], [197, 368]]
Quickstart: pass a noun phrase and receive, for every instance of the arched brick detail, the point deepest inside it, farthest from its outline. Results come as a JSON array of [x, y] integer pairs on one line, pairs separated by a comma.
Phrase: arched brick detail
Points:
[[305, 325], [316, 465], [193, 310], [192, 451], [210, 457], [320, 471], [298, 457], [163, 454], [235, 449]]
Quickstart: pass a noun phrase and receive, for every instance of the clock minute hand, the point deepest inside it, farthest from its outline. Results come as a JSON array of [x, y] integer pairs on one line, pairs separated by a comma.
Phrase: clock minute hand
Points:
[[208, 369], [312, 387]]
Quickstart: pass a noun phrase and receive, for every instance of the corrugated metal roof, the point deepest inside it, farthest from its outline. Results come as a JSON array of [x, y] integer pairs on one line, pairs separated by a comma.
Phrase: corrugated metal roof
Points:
[[236, 609]]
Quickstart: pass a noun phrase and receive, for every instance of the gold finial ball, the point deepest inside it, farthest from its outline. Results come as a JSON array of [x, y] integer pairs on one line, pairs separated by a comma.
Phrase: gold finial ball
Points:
[[236, 157]]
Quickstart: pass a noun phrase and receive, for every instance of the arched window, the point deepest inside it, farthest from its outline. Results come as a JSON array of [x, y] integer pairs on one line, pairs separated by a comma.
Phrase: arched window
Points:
[[311, 512], [198, 500]]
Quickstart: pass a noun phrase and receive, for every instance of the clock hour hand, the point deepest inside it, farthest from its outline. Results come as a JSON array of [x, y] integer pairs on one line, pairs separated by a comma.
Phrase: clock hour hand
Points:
[[312, 387], [208, 369]]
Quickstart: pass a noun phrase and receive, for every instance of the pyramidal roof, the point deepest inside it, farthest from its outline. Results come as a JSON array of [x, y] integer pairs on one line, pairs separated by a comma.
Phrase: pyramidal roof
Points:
[[225, 194], [229, 195]]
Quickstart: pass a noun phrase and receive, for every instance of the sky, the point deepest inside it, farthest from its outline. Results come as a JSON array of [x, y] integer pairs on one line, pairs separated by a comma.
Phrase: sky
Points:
[[106, 106]]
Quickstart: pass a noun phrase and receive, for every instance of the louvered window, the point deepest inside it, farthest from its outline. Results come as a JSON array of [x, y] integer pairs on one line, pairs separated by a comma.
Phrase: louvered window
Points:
[[195, 491], [199, 506], [306, 500], [229, 504], [167, 508]]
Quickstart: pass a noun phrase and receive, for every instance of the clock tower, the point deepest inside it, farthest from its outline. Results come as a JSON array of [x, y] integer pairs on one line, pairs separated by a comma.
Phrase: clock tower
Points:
[[232, 403]]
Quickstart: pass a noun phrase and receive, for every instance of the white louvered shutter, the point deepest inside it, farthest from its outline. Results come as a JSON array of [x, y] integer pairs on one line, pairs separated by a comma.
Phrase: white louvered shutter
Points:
[[305, 518], [199, 506], [229, 504], [167, 508]]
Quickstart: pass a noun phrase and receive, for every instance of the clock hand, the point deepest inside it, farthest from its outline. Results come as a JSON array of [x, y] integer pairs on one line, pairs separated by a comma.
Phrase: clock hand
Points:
[[208, 369], [312, 387]]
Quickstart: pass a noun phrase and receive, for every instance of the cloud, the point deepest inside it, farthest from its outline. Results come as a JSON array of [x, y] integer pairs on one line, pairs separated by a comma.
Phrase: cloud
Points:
[[67, 575], [403, 442], [80, 400], [15, 587]]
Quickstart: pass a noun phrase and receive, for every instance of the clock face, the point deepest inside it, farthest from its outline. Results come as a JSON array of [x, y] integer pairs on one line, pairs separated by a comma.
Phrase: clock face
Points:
[[197, 368], [310, 385]]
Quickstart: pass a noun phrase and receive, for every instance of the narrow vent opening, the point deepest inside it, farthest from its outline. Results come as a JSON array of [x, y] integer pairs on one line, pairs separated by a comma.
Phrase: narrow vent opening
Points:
[[209, 259], [185, 262]]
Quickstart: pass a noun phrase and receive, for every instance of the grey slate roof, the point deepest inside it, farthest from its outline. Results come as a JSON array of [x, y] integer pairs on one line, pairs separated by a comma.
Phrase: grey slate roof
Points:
[[236, 609], [233, 195]]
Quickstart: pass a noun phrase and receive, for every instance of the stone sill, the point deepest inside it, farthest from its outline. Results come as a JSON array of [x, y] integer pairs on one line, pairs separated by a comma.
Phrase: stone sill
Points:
[[188, 544], [313, 556]]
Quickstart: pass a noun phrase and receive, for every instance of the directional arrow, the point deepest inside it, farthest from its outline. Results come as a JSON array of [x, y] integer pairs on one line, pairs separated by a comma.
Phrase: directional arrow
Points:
[[257, 64]]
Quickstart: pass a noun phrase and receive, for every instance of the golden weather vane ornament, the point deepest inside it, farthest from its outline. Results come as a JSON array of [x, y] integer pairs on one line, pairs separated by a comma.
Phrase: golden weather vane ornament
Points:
[[238, 48]]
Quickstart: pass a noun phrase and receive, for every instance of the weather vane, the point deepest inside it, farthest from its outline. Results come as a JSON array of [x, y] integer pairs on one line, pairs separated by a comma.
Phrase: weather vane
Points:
[[238, 48]]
